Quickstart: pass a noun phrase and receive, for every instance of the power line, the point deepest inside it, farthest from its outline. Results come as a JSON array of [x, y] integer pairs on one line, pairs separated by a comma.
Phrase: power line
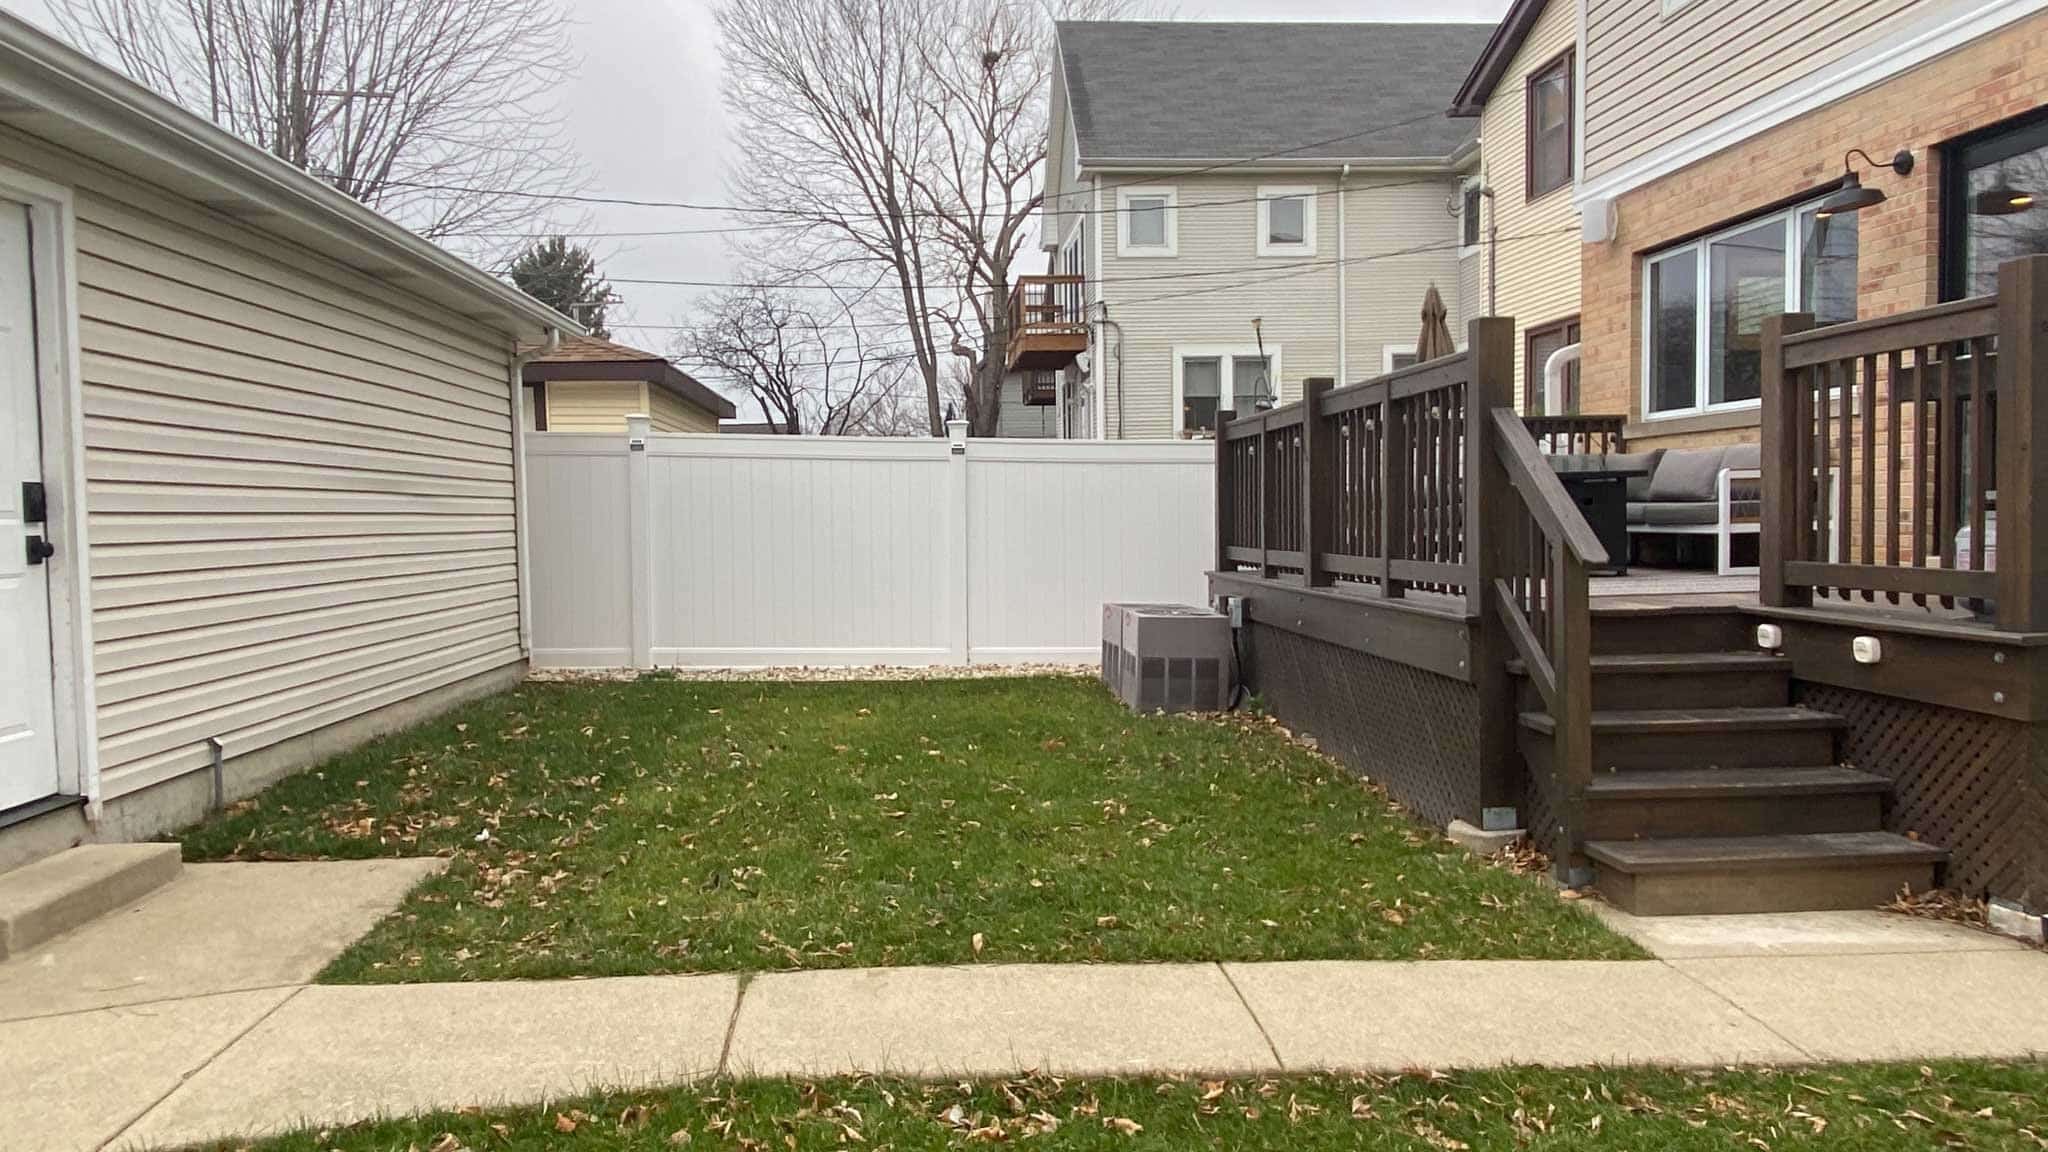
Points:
[[745, 209]]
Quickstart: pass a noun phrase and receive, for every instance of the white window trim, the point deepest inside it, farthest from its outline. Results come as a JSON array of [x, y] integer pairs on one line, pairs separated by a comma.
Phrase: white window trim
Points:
[[1465, 186], [1225, 352], [1124, 196], [1389, 351], [1788, 218], [1261, 218], [54, 270]]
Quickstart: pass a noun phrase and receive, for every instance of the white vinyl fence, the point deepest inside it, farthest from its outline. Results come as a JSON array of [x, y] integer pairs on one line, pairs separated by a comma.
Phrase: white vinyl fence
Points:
[[723, 551]]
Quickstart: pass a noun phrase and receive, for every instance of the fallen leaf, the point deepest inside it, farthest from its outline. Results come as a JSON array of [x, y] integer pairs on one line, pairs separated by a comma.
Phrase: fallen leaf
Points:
[[564, 1124], [1123, 1124], [979, 942]]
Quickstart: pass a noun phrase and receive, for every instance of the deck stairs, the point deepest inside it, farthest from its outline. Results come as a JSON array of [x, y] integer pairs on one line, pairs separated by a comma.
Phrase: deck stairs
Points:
[[1712, 791]]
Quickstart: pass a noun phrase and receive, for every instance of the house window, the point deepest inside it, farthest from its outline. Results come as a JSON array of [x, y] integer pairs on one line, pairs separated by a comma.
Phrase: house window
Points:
[[1207, 380], [1705, 304], [1994, 204], [1148, 224], [1398, 356], [1539, 345], [1548, 113], [1471, 198], [1287, 221]]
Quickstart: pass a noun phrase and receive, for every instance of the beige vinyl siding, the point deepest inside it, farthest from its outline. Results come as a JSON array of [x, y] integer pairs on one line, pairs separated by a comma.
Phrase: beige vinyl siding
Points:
[[299, 482], [1209, 293], [1538, 263], [594, 405], [669, 412], [1654, 77]]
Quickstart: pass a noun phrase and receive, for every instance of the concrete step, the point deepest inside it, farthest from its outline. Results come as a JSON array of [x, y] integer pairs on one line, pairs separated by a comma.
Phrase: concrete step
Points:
[[1792, 873], [61, 892], [1686, 803]]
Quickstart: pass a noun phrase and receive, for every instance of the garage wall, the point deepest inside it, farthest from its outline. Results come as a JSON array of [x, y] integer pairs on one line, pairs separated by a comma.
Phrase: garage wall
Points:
[[299, 482]]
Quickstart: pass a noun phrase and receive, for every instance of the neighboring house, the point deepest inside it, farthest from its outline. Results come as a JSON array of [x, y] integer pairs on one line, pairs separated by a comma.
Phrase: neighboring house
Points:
[[590, 385], [1031, 408], [1711, 136], [259, 475], [1520, 227], [1231, 208]]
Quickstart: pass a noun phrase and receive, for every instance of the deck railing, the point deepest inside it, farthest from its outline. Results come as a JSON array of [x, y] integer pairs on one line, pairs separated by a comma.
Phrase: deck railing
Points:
[[1542, 549], [1363, 484], [1047, 306], [1886, 443], [1577, 434]]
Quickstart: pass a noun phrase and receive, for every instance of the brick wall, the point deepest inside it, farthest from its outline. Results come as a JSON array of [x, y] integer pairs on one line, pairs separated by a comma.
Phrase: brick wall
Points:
[[1899, 253]]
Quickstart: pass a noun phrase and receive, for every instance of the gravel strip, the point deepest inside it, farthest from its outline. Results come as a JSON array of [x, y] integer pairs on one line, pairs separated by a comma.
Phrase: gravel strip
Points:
[[818, 675]]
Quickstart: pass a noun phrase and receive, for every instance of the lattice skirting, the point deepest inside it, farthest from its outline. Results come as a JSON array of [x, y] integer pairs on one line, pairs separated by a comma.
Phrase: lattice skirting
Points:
[[1413, 732], [1976, 785]]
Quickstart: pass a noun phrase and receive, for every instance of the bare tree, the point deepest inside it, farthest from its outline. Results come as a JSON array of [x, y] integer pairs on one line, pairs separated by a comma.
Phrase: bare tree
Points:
[[808, 369], [828, 96], [431, 111]]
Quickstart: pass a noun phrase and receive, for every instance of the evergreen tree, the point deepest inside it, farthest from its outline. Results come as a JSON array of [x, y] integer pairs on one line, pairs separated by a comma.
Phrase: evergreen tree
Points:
[[564, 277]]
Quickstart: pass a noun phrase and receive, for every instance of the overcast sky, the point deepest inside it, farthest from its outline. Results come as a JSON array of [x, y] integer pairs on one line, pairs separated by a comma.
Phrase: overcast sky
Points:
[[645, 115]]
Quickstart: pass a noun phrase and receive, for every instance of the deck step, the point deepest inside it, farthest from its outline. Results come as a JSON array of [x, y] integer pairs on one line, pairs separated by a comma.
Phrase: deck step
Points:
[[61, 892], [1628, 681], [1681, 803], [1781, 873], [1699, 737]]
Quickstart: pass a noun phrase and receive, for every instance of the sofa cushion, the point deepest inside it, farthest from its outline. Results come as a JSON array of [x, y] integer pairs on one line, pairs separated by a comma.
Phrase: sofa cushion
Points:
[[1681, 514], [1687, 474], [1638, 486], [1748, 456]]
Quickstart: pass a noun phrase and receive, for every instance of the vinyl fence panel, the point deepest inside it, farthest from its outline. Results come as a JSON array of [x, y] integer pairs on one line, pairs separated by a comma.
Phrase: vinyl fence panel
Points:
[[734, 551]]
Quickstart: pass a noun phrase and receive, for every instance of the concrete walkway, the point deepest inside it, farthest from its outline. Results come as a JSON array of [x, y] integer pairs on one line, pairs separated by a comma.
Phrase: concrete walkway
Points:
[[94, 1057]]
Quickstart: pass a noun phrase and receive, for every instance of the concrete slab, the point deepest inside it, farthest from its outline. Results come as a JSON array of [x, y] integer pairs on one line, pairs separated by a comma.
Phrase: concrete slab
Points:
[[216, 928], [336, 1055], [1848, 933], [1985, 1004], [73, 1082], [997, 1020], [1343, 1016], [58, 893]]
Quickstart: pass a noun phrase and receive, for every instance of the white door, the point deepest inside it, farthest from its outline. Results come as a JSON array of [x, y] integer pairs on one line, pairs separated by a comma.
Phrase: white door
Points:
[[28, 749]]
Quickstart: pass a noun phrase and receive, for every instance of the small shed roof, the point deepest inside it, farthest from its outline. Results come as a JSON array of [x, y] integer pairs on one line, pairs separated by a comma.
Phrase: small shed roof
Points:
[[589, 358]]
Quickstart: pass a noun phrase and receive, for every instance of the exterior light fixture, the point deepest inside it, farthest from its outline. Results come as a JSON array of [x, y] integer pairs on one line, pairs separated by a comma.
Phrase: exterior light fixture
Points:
[[1852, 196]]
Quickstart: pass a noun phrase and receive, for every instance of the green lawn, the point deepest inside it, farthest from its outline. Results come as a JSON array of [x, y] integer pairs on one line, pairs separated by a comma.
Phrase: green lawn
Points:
[[1877, 1108], [666, 825]]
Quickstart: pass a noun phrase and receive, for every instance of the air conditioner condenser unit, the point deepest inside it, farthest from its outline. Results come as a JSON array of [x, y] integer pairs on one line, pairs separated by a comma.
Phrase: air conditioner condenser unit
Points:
[[1166, 657]]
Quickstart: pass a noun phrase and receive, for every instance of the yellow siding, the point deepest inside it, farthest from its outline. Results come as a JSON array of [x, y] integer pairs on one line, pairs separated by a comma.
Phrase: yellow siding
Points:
[[1537, 267], [672, 413], [1657, 76], [299, 482], [594, 406], [1209, 293]]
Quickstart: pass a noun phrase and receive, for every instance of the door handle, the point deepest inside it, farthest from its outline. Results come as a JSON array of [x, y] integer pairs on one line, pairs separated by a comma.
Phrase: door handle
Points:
[[40, 550]]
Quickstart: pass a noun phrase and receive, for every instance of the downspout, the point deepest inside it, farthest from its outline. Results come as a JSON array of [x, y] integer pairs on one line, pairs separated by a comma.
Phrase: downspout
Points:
[[1343, 301], [521, 560], [1492, 249]]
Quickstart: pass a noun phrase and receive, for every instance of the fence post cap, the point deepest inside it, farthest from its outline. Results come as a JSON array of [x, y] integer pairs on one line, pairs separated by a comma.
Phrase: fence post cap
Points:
[[638, 425], [956, 431]]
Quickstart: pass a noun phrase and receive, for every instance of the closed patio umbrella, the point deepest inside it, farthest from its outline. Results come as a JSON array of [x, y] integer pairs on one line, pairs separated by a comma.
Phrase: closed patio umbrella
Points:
[[1435, 340]]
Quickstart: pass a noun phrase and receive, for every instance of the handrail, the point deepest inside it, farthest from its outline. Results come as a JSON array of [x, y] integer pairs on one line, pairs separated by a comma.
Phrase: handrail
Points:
[[1543, 493], [1541, 548]]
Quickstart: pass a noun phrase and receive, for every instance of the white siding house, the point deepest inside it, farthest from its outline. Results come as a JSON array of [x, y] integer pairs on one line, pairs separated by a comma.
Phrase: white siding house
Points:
[[1238, 237], [275, 437]]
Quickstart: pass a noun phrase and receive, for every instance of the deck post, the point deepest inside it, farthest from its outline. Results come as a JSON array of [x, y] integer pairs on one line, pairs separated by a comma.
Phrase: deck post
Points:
[[2022, 569], [1780, 533], [1225, 491], [1316, 461], [1489, 501]]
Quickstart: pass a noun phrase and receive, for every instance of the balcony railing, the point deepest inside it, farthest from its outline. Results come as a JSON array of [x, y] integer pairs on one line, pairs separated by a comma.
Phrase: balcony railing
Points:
[[1048, 323]]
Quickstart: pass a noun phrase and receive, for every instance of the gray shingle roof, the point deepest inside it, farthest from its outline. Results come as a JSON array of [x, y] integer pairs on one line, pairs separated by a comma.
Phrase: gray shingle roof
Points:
[[1194, 90]]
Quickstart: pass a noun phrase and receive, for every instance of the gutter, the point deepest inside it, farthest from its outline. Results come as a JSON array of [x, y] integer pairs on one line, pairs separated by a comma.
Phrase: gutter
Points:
[[1185, 165], [521, 560], [51, 77]]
